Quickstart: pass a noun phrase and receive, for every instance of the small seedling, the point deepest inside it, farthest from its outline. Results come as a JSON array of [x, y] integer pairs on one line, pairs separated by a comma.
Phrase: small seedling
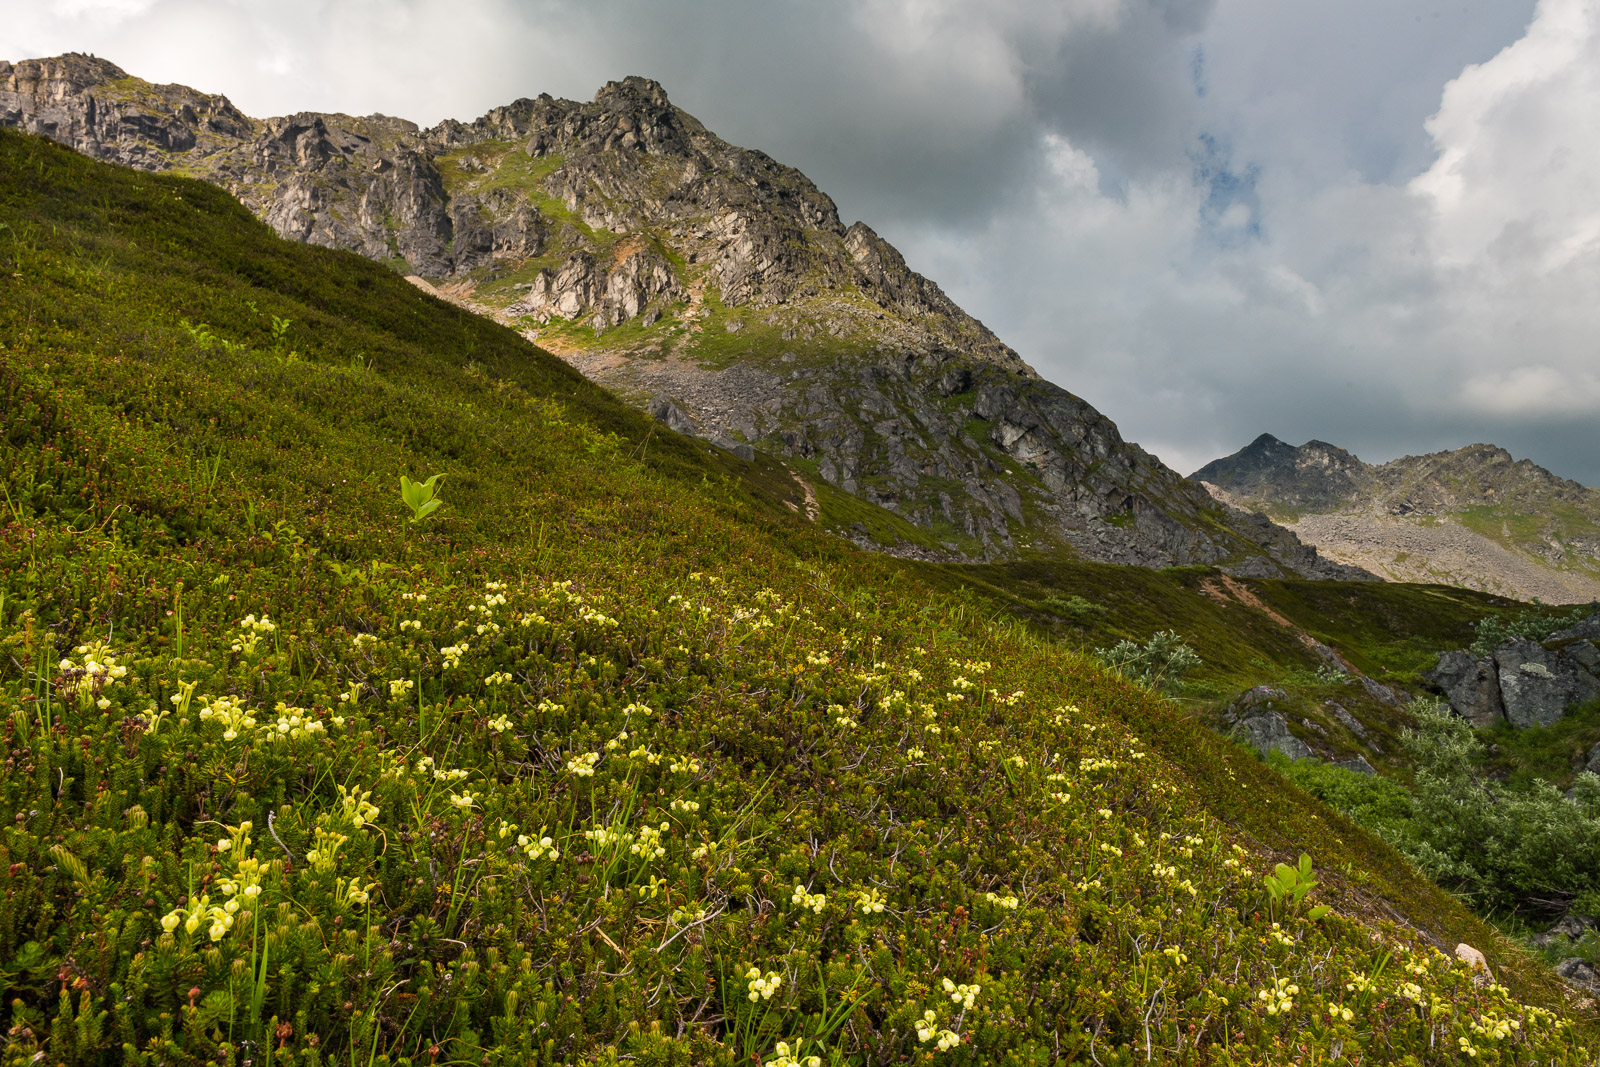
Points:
[[1287, 888], [419, 497]]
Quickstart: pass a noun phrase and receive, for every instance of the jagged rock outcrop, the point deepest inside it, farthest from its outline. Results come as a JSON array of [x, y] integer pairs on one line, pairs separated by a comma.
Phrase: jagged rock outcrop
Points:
[[1579, 972], [1316, 475], [1472, 685], [1257, 718], [1459, 517], [753, 315], [1524, 682]]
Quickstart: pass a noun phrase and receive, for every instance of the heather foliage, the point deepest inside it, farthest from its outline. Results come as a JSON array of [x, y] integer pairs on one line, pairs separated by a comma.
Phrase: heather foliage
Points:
[[609, 759]]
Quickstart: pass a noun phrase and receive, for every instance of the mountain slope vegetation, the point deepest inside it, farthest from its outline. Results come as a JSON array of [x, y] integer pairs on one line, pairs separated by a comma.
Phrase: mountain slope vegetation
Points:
[[611, 756], [706, 283]]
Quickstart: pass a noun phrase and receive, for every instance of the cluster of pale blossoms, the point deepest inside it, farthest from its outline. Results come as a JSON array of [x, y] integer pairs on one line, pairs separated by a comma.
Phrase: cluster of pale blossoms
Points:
[[356, 807], [870, 901], [807, 899], [226, 710], [783, 1056], [762, 988], [534, 847], [648, 844], [242, 887], [251, 631], [295, 723], [1279, 997], [97, 668], [928, 1030], [963, 995]]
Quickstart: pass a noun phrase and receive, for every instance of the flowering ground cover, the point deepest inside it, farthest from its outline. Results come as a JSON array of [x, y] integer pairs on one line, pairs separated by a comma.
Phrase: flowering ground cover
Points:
[[606, 757]]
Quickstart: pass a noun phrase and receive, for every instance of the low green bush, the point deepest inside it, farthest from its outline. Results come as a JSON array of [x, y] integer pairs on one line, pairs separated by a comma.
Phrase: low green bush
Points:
[[1160, 663], [1535, 624], [1509, 847]]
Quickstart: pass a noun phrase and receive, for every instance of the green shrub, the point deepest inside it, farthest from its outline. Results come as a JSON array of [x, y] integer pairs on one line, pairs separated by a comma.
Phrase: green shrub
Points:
[[1073, 608], [1522, 846], [1380, 804], [1160, 663], [1535, 624]]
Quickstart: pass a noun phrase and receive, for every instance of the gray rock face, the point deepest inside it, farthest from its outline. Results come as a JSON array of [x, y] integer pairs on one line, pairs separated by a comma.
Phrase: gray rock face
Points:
[[1472, 686], [625, 209], [1579, 972], [1359, 765], [1258, 721], [1314, 475], [1537, 685], [1560, 936], [1525, 683], [1268, 731], [663, 410], [1372, 515], [1347, 720], [1586, 630], [1383, 694], [1593, 763]]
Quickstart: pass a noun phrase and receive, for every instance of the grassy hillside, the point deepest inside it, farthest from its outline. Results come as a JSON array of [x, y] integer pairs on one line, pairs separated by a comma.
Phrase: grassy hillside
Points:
[[610, 757]]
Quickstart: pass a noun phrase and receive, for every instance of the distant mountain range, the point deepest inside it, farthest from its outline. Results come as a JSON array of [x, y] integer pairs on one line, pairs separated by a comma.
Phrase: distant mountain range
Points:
[[704, 282], [1474, 517]]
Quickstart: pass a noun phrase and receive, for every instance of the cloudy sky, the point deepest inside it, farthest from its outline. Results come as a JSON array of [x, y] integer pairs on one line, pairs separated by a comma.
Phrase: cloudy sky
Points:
[[1373, 222]]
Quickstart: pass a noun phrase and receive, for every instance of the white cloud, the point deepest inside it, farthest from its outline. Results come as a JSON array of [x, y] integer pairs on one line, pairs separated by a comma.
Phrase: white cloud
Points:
[[112, 11], [1519, 149], [1536, 390]]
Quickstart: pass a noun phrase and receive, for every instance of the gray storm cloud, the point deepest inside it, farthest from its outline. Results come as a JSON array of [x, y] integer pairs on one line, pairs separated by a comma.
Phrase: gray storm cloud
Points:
[[1368, 222]]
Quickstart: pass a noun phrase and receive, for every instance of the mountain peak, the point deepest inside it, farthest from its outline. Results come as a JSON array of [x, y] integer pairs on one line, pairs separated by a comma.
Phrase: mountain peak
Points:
[[1312, 474], [1473, 516], [703, 280], [632, 89]]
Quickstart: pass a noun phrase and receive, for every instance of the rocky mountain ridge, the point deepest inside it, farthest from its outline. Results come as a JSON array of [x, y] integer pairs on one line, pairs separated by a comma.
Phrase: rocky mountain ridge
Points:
[[706, 283], [1473, 516]]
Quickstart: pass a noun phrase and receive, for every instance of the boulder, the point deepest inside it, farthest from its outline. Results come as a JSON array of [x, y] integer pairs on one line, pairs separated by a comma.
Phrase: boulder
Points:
[[1472, 958], [739, 448], [1347, 720], [1383, 694], [665, 411], [1359, 765], [1267, 731], [1579, 972], [1259, 722], [1584, 652], [1587, 630], [1593, 764], [1472, 686], [1564, 933], [1537, 685]]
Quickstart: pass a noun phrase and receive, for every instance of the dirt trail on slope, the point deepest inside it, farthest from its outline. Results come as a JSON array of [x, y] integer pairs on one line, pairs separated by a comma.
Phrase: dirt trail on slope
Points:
[[812, 510]]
